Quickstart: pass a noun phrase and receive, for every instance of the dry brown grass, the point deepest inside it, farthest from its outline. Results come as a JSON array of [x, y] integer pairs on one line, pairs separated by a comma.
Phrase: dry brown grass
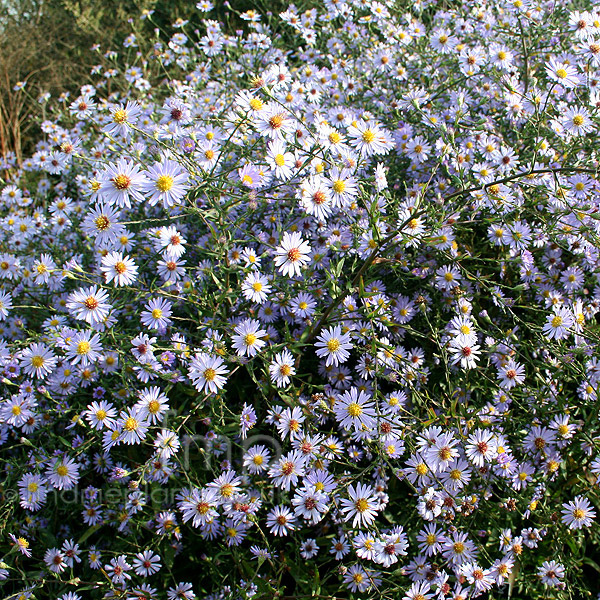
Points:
[[48, 45]]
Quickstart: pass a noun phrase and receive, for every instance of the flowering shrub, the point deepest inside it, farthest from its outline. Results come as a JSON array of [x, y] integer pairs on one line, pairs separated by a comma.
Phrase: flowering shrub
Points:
[[310, 311]]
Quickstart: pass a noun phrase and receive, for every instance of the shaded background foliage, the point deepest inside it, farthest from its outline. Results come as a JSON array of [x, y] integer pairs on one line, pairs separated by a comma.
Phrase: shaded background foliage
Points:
[[52, 45]]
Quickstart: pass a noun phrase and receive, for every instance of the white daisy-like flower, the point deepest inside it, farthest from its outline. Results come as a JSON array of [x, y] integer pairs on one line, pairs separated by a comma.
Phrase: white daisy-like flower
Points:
[[334, 346], [248, 338], [208, 373], [282, 368], [119, 269], [361, 506], [38, 360], [292, 254]]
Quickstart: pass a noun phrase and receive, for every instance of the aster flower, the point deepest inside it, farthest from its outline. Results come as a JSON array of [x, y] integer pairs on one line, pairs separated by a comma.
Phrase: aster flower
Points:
[[208, 373], [558, 323], [133, 426], [32, 491], [355, 409], [84, 348], [247, 420], [292, 254], [577, 121], [146, 563], [334, 346], [447, 277], [122, 117], [578, 513], [55, 560], [286, 470], [102, 222], [119, 269], [464, 352], [257, 459], [63, 473], [309, 549], [247, 339], [511, 374], [199, 507], [551, 573], [481, 446], [38, 360], [21, 543], [361, 506], [369, 138], [256, 287], [280, 161], [89, 304], [101, 415], [274, 122], [165, 182], [143, 349], [121, 183], [316, 198], [282, 368], [389, 547], [117, 569], [565, 75], [226, 485], [310, 504], [281, 520], [156, 314]]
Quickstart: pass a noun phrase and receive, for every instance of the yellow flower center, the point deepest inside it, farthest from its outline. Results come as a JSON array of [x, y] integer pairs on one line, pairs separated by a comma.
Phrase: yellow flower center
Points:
[[459, 547], [120, 116], [164, 183], [256, 104], [368, 136], [276, 121], [131, 424], [102, 223], [361, 505], [37, 361], [354, 409], [121, 181], [333, 344], [83, 347], [339, 186]]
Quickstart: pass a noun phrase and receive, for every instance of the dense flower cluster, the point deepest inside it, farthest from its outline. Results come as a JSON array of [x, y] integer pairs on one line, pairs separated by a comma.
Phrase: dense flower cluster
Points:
[[316, 314]]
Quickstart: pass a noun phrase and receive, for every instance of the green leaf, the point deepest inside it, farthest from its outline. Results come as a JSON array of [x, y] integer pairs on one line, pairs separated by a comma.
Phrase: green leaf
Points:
[[90, 531]]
